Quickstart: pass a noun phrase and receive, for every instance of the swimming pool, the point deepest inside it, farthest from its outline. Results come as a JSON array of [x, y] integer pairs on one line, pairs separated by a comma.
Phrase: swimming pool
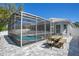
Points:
[[29, 38]]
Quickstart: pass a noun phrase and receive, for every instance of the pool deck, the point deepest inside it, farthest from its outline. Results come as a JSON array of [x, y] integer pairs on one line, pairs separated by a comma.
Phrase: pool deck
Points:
[[8, 48]]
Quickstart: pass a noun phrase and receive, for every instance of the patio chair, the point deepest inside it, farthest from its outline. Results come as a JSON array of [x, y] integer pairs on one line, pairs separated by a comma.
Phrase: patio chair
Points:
[[60, 43], [57, 39]]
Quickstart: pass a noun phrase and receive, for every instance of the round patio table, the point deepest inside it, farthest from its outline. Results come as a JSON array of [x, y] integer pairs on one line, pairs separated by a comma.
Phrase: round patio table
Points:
[[55, 37]]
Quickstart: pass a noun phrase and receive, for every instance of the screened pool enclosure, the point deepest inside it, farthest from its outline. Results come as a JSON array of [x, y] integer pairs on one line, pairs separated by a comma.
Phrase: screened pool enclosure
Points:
[[25, 28]]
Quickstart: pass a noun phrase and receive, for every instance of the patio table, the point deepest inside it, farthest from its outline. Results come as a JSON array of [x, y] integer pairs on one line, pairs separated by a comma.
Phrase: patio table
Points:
[[55, 37]]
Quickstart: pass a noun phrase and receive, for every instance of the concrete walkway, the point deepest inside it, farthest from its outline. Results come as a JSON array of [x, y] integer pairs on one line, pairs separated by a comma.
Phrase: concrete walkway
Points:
[[8, 48], [35, 49], [3, 33]]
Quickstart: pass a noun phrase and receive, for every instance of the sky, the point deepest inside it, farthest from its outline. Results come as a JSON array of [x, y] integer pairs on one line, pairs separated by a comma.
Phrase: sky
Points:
[[54, 10]]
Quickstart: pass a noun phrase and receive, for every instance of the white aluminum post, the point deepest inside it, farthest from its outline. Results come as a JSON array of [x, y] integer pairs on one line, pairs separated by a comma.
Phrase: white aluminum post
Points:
[[45, 28], [21, 27], [36, 28], [14, 21], [53, 27], [50, 28]]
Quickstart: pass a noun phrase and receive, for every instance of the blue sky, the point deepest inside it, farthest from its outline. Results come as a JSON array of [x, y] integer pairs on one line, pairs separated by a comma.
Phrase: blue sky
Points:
[[54, 10]]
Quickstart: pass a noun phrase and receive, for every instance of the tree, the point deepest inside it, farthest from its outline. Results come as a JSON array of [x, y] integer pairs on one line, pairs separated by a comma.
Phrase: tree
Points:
[[12, 8], [5, 13], [20, 8], [4, 17]]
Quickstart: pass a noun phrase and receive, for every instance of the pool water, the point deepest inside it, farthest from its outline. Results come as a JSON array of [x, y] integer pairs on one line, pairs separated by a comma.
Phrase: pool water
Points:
[[29, 38]]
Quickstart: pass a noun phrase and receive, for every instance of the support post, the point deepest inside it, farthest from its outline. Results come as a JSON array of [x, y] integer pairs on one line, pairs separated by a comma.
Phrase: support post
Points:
[[21, 27], [53, 27], [45, 28], [50, 29], [15, 21], [36, 28]]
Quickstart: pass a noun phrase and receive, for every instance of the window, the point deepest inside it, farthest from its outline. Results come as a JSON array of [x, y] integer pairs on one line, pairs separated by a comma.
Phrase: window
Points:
[[65, 26], [58, 28]]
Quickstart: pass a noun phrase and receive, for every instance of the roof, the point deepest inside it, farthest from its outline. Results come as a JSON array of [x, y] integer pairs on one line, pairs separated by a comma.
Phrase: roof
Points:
[[29, 15], [59, 20]]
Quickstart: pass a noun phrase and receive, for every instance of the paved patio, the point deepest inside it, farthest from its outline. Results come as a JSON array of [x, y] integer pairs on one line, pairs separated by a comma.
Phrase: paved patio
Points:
[[8, 48]]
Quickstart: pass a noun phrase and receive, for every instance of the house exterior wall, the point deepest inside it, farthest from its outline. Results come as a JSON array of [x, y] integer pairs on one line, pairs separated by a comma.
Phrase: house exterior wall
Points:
[[61, 22], [62, 30]]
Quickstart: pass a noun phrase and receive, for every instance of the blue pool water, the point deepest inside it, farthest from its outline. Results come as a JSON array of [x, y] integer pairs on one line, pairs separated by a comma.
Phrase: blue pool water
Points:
[[29, 38]]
